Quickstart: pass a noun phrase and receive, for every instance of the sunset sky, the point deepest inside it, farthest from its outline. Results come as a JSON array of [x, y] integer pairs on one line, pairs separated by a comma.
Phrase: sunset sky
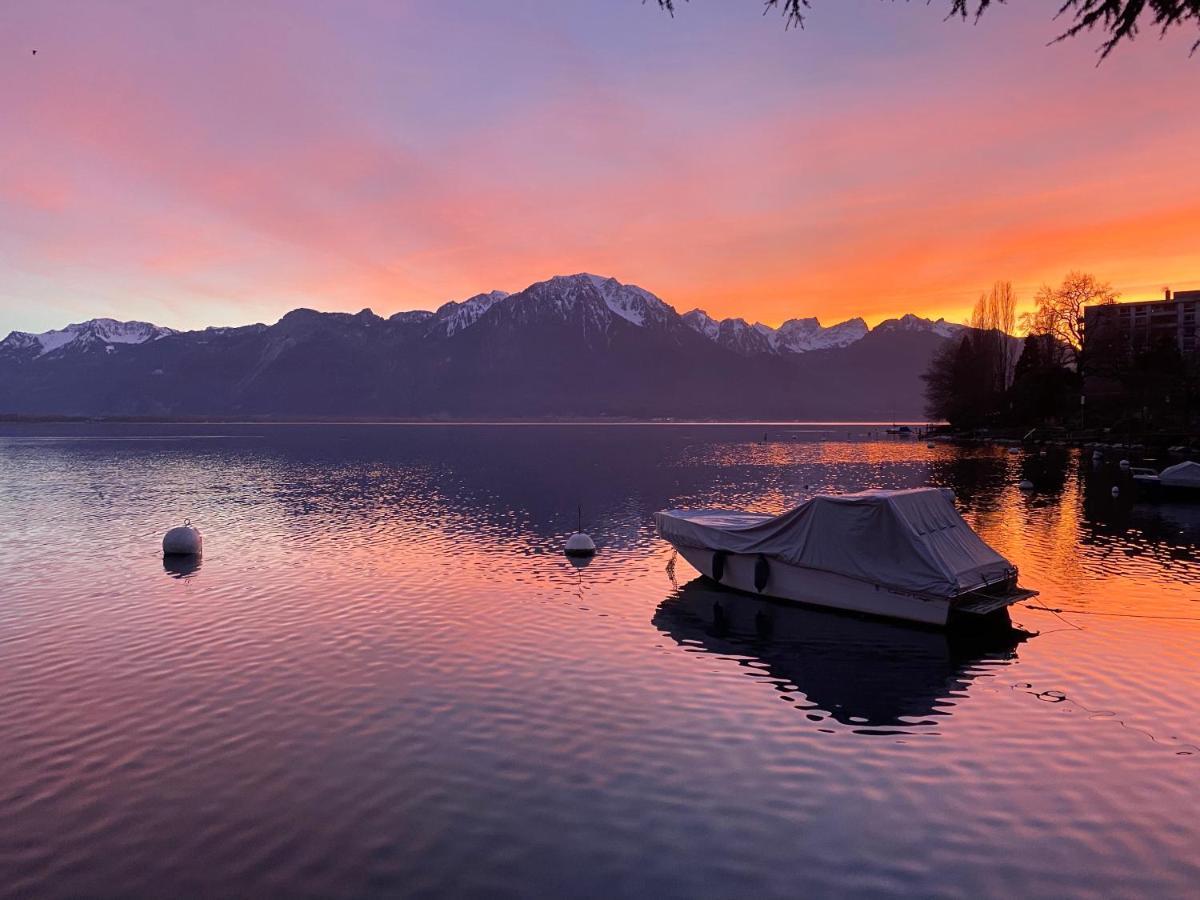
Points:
[[224, 162]]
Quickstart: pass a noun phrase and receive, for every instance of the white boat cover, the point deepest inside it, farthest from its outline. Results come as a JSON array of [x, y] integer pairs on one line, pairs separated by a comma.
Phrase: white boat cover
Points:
[[913, 540], [1184, 474]]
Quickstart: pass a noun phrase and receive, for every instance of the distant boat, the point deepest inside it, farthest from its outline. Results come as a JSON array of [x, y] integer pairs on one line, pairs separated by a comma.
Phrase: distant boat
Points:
[[903, 429], [900, 554]]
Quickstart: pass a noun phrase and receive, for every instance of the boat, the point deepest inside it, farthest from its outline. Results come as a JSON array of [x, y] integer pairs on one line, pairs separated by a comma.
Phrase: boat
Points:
[[1181, 479], [901, 554], [903, 429]]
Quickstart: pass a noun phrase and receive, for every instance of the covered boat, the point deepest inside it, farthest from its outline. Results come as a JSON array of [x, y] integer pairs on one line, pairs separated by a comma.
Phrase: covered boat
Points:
[[1181, 475], [903, 554], [1182, 479]]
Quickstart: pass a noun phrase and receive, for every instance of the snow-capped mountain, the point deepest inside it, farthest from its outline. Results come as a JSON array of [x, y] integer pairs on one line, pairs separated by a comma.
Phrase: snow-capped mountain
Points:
[[459, 314], [562, 294], [793, 336], [802, 335], [742, 337], [571, 345], [602, 297], [909, 322], [92, 334], [702, 322], [630, 302]]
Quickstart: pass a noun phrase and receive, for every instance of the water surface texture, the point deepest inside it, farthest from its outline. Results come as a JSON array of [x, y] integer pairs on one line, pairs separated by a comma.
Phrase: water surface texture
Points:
[[385, 679]]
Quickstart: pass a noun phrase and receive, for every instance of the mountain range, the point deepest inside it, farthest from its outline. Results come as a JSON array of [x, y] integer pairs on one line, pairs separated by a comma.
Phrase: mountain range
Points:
[[577, 345]]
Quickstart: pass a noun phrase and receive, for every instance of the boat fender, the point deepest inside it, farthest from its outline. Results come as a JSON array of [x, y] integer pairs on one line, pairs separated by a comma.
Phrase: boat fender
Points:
[[718, 565], [762, 571]]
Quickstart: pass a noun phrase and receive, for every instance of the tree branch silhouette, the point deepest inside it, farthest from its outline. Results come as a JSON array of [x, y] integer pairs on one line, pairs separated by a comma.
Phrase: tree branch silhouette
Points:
[[1119, 20]]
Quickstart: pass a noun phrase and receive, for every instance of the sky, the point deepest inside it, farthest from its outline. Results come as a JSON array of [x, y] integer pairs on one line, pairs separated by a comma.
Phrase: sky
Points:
[[221, 163]]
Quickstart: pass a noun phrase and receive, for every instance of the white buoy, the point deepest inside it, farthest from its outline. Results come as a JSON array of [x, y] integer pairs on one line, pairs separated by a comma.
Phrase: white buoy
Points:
[[580, 544], [184, 540], [1116, 492], [1026, 485], [1124, 464]]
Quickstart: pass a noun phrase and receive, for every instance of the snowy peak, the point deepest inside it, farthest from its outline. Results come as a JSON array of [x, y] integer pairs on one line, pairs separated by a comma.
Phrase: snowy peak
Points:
[[92, 334], [590, 301], [454, 316], [632, 303], [741, 337], [802, 335], [702, 322], [733, 334], [909, 322], [793, 336]]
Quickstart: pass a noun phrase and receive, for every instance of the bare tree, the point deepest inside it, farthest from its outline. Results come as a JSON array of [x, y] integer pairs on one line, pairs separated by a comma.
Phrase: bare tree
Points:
[[1119, 20], [1059, 311], [1002, 321], [993, 320]]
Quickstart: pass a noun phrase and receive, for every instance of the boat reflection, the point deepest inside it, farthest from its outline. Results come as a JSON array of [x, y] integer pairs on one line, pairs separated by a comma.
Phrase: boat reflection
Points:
[[872, 675]]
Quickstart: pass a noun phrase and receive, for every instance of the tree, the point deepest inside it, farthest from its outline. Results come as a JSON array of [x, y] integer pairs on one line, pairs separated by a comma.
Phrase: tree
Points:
[[951, 385], [1043, 390], [1059, 311], [967, 381], [1118, 20], [994, 319]]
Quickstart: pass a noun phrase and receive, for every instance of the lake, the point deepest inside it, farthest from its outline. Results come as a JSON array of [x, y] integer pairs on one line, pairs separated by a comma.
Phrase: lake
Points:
[[385, 679]]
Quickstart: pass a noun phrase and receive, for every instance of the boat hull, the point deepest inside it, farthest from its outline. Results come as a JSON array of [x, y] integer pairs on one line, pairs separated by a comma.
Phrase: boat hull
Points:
[[787, 582]]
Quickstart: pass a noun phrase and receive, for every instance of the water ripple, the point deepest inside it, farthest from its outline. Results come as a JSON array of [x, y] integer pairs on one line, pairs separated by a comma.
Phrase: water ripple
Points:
[[384, 678]]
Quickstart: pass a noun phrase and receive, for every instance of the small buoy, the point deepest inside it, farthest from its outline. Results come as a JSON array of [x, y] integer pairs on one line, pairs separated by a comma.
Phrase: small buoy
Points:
[[580, 544], [1116, 492], [183, 540], [931, 445], [1124, 464], [1026, 485]]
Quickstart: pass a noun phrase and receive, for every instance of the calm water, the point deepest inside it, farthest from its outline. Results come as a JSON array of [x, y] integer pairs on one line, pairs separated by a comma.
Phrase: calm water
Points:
[[384, 679]]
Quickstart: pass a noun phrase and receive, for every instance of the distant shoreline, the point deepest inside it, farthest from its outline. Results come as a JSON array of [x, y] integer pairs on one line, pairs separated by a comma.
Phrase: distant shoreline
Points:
[[12, 419]]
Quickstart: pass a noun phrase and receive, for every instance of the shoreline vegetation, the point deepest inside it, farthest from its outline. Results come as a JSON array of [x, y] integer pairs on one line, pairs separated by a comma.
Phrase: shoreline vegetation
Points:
[[1047, 392]]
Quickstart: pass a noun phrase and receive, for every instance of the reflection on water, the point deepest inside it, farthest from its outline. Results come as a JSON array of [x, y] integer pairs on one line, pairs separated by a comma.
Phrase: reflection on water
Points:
[[387, 679], [875, 676], [181, 566]]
